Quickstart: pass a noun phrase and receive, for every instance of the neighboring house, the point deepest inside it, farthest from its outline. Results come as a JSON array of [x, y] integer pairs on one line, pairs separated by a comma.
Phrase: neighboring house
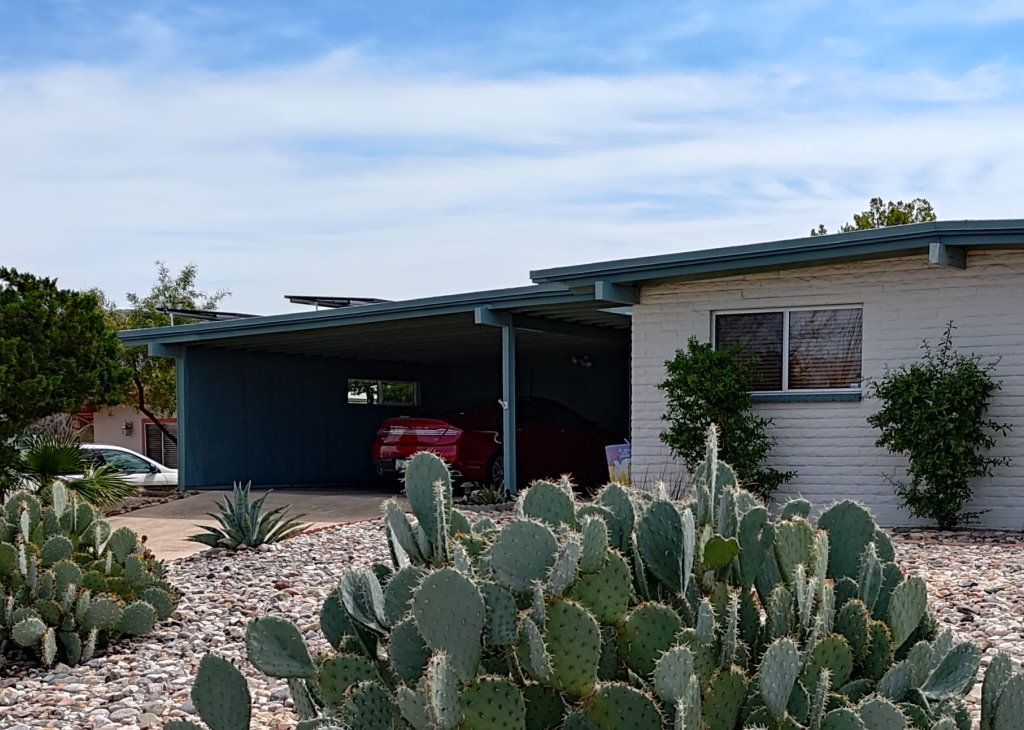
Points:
[[266, 398], [125, 426], [824, 315]]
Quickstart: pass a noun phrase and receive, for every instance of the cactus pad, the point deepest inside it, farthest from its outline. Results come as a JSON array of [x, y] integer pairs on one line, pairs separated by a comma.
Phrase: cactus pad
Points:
[[617, 706], [955, 673], [659, 537], [492, 703], [533, 654], [850, 528], [566, 566], [726, 694], [879, 714], [615, 498], [401, 535], [523, 552], [221, 695], [339, 672], [122, 542], [28, 631], [606, 592], [831, 653], [544, 707], [102, 613], [399, 591], [408, 652], [777, 674], [549, 503], [367, 707], [501, 614], [275, 647], [672, 674], [161, 601], [998, 672], [719, 552], [907, 606], [56, 548], [441, 685], [136, 619], [794, 545], [573, 642], [648, 632], [458, 632], [594, 537], [1010, 704], [843, 719]]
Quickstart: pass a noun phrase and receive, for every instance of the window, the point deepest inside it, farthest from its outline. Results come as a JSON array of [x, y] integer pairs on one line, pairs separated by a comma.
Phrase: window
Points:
[[797, 349], [124, 462], [382, 392], [159, 447]]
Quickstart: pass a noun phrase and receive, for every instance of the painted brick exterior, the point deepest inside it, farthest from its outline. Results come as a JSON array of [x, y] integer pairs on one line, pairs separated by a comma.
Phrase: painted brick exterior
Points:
[[830, 444]]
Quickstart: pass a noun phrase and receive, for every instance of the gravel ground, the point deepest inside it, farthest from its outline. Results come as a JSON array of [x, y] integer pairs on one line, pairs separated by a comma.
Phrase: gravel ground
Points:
[[974, 582]]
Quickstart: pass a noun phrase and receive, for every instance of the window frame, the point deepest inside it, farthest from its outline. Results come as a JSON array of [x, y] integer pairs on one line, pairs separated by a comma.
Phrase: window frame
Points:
[[381, 382], [849, 393]]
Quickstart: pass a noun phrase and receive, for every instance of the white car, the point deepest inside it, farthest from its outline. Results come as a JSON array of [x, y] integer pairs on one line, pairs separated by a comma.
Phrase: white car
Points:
[[134, 467]]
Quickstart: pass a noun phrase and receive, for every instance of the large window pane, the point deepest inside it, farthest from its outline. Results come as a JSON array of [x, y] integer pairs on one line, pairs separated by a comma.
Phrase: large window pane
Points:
[[759, 336], [825, 348]]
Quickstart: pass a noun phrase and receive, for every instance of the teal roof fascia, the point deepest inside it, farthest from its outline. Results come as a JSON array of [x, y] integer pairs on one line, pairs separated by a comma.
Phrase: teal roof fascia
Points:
[[527, 296], [835, 248]]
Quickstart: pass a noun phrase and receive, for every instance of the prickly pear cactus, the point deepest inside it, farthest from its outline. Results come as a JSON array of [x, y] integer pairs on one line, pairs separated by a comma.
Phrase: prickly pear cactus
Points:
[[633, 611], [69, 584]]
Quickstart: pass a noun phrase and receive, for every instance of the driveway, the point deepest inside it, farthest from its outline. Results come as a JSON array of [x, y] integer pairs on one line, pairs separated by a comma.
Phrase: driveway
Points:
[[167, 525]]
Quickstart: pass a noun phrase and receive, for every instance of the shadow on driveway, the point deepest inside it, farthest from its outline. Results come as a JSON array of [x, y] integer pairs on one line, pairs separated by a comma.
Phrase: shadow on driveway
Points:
[[167, 525]]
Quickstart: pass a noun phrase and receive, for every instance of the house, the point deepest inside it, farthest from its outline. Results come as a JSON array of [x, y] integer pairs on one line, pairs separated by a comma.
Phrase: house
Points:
[[870, 297], [267, 398]]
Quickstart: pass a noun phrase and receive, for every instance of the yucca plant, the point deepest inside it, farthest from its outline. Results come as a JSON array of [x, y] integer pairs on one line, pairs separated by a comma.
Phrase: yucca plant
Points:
[[47, 458], [245, 523]]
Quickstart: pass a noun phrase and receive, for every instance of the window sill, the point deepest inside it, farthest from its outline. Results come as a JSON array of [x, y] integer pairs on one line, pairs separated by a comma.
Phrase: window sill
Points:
[[796, 397]]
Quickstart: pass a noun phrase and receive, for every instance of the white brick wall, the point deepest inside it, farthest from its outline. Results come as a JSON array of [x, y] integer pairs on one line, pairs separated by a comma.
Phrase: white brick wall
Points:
[[831, 445]]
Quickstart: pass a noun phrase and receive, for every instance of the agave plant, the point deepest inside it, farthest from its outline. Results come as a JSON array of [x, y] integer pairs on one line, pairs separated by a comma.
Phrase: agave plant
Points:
[[47, 458], [245, 523]]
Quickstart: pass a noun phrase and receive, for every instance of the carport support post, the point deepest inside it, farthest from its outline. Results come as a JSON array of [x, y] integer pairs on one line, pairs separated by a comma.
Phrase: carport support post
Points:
[[484, 315]]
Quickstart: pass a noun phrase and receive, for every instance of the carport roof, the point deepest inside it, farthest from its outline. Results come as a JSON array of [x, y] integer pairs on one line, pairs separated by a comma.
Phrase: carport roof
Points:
[[554, 304], [790, 253]]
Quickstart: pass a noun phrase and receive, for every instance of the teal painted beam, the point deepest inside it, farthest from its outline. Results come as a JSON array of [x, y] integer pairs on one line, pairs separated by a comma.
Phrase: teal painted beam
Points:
[[489, 317], [569, 329], [181, 394], [942, 255], [158, 349], [508, 406], [606, 291]]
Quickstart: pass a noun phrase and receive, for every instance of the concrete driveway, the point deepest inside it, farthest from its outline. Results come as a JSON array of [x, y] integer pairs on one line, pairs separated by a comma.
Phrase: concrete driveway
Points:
[[167, 525]]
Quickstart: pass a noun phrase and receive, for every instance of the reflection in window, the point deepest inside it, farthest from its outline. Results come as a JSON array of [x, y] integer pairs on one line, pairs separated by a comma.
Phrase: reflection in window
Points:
[[797, 349], [368, 392]]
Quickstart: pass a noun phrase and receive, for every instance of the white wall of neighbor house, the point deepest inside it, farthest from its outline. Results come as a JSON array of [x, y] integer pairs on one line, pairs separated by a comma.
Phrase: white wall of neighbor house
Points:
[[107, 425], [830, 444]]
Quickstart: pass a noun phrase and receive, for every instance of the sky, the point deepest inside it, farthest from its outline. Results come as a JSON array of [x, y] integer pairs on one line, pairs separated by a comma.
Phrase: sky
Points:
[[410, 148]]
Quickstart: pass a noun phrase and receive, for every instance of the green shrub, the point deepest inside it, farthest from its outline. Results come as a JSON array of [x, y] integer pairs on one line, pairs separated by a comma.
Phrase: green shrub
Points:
[[69, 584], [245, 523], [706, 386], [47, 458], [632, 611], [933, 412]]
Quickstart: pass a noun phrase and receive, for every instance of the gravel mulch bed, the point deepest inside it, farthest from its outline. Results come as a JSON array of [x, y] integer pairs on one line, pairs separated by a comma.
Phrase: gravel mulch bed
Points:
[[974, 580]]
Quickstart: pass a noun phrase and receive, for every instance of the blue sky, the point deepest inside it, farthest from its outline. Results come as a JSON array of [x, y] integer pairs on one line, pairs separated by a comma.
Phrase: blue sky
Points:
[[407, 149]]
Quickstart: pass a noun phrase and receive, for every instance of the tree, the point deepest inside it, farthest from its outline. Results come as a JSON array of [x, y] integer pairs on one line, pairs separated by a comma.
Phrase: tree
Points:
[[881, 215], [707, 386], [933, 412], [152, 384], [56, 354]]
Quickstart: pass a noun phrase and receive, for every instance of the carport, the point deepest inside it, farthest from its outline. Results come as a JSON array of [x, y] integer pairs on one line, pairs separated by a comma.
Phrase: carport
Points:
[[267, 398]]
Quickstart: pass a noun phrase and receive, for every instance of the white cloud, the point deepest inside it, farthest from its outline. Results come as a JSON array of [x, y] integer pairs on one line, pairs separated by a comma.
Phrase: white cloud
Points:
[[335, 177]]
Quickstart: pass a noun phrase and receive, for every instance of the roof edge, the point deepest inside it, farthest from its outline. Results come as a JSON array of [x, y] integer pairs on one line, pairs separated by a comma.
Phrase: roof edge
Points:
[[876, 242], [364, 313]]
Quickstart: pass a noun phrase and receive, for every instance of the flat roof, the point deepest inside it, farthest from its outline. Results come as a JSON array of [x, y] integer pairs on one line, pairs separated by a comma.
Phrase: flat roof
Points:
[[793, 252], [555, 300]]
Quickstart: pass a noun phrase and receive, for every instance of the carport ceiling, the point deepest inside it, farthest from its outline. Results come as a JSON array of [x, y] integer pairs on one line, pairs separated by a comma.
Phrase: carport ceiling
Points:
[[441, 339]]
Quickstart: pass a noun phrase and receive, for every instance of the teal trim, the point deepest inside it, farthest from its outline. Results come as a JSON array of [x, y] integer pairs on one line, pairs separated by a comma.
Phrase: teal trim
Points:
[[606, 291], [943, 255], [508, 413], [528, 296], [837, 248], [180, 373], [796, 397]]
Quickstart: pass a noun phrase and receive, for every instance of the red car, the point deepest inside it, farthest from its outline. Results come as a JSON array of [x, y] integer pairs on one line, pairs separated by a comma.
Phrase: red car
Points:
[[552, 440]]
